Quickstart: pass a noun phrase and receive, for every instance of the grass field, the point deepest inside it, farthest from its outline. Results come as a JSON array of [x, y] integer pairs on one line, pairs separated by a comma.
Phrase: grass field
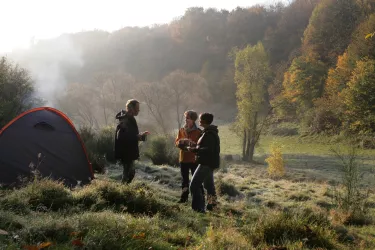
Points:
[[309, 145], [308, 157], [255, 211]]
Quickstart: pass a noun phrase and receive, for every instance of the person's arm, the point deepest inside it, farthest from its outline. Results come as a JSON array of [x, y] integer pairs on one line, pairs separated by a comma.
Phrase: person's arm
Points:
[[209, 145], [181, 140], [126, 135]]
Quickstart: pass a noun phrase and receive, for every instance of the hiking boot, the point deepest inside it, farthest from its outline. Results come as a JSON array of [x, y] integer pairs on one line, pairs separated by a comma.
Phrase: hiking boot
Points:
[[211, 202], [210, 207], [184, 195]]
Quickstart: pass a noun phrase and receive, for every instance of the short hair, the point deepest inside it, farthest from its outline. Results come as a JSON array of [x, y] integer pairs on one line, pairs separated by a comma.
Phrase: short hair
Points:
[[207, 118], [192, 114], [130, 104]]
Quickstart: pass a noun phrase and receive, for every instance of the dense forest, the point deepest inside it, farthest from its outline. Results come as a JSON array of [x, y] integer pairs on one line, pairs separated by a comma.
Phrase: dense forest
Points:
[[320, 59]]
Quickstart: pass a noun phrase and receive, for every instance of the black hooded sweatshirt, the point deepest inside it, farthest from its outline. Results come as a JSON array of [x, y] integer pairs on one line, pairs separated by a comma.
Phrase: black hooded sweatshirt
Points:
[[126, 138], [208, 147]]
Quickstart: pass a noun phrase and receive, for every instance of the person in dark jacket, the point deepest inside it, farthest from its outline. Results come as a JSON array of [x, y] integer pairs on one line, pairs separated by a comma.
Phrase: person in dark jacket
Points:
[[207, 153], [127, 138]]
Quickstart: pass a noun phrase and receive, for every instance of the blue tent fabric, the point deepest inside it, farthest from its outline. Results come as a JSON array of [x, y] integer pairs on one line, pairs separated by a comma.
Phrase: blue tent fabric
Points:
[[43, 138]]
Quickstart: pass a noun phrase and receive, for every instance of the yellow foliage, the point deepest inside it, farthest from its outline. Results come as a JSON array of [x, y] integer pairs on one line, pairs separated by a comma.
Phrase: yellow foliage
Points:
[[339, 217], [369, 35], [276, 164], [338, 77]]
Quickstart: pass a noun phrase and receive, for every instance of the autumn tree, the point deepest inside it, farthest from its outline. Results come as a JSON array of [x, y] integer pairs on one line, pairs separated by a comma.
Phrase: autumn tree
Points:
[[285, 38], [361, 47], [304, 82], [17, 92], [330, 110], [330, 27], [359, 98], [251, 77]]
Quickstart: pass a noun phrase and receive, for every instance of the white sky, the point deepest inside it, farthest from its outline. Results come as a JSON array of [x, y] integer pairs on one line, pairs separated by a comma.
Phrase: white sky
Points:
[[21, 20]]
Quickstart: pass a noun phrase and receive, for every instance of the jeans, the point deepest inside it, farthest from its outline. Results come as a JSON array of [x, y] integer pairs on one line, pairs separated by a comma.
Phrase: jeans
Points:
[[203, 175], [128, 171]]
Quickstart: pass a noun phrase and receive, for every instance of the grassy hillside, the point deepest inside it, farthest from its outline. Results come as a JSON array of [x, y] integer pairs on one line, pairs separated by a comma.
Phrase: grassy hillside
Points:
[[255, 211]]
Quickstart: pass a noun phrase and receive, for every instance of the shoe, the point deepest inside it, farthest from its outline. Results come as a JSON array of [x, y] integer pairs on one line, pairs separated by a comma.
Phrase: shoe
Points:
[[184, 195], [211, 202], [201, 211], [210, 207]]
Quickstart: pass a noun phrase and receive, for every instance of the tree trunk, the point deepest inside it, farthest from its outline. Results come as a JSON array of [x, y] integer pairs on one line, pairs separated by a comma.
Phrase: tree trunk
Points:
[[244, 145], [251, 150], [247, 152], [251, 140]]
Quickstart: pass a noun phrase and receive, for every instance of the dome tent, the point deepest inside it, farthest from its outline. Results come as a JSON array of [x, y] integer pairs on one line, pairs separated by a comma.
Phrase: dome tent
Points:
[[43, 137]]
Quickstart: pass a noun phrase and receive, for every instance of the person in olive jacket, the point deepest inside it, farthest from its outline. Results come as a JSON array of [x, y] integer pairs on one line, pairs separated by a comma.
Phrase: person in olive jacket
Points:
[[207, 153], [127, 138]]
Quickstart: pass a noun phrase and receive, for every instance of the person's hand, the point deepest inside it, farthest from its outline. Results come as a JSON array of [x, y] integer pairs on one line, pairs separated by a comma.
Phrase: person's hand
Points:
[[142, 136], [190, 149], [183, 141], [192, 143]]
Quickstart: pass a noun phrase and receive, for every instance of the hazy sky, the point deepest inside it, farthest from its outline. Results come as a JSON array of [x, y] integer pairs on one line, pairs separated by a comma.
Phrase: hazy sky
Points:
[[20, 20]]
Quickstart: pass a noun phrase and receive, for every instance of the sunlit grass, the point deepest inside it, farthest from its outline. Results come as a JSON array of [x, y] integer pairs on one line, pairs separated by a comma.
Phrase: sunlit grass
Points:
[[254, 211]]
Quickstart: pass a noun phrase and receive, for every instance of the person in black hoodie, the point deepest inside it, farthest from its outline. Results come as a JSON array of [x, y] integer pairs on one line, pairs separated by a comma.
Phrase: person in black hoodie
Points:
[[127, 138], [208, 157]]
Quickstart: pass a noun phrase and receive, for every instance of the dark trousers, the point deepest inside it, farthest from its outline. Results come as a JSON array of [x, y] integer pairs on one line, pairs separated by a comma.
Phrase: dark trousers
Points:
[[128, 171], [203, 175], [185, 168]]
